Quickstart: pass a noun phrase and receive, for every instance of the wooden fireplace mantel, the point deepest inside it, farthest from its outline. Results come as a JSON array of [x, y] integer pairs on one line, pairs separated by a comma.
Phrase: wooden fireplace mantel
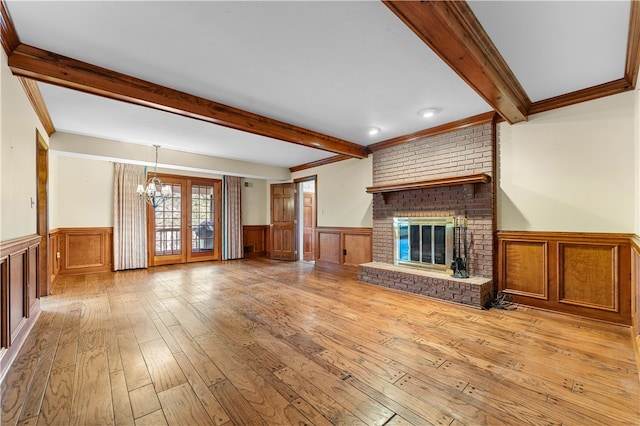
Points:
[[430, 183]]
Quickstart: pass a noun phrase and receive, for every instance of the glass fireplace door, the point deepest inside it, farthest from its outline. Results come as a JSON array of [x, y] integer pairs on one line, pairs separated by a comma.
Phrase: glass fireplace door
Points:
[[424, 242]]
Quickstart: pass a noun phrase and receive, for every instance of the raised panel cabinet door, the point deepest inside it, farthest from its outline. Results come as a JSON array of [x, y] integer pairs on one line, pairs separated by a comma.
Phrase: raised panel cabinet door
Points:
[[283, 221], [357, 249]]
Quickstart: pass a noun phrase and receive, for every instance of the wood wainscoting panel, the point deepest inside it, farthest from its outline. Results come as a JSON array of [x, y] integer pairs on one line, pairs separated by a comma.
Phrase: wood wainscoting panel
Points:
[[55, 255], [635, 289], [525, 267], [343, 246], [357, 249], [585, 274], [33, 282], [329, 249], [19, 295], [4, 304], [255, 239], [588, 275], [86, 250]]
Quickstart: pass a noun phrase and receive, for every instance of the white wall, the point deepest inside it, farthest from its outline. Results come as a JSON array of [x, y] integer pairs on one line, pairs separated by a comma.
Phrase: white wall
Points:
[[340, 187], [179, 162], [18, 183], [570, 169], [83, 193]]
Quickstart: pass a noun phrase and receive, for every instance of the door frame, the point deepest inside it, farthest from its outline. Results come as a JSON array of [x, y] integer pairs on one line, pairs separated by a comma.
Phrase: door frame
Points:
[[42, 215], [299, 208]]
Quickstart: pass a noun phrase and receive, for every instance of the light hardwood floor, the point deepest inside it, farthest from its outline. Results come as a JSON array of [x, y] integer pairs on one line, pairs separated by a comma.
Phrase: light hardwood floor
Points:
[[258, 342]]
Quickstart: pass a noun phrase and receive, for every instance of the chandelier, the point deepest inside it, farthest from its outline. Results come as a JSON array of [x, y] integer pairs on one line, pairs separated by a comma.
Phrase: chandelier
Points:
[[156, 192]]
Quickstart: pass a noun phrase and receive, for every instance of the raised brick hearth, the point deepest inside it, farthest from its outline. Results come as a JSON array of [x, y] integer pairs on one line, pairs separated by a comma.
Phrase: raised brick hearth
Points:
[[472, 291], [457, 153]]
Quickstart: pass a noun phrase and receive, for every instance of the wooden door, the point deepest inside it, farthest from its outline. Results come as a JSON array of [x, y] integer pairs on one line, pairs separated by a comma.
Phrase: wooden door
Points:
[[283, 221], [309, 225], [204, 220], [187, 226]]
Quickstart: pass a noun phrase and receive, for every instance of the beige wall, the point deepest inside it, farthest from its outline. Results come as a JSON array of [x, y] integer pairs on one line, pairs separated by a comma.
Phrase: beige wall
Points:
[[254, 208], [636, 156], [340, 187], [571, 169], [70, 178], [18, 124], [83, 193]]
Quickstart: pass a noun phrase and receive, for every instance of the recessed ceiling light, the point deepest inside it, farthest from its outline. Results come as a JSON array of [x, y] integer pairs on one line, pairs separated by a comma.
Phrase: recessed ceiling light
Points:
[[428, 112], [374, 131]]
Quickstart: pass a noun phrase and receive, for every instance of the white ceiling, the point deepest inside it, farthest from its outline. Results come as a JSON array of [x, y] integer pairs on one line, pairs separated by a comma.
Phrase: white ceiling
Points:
[[337, 68]]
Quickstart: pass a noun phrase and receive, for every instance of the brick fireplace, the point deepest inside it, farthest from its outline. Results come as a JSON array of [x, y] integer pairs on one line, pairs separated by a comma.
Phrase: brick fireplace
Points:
[[447, 175]]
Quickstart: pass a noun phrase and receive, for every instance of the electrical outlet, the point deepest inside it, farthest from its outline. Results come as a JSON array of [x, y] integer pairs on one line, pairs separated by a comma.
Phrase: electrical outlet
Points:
[[57, 255]]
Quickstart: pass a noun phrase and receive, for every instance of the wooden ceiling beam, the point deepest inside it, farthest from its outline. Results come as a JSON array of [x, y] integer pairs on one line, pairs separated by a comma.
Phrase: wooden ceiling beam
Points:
[[632, 63], [37, 64], [8, 35], [453, 32]]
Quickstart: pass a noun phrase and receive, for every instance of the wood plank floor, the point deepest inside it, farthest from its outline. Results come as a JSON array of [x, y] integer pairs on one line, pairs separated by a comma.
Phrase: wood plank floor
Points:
[[257, 342]]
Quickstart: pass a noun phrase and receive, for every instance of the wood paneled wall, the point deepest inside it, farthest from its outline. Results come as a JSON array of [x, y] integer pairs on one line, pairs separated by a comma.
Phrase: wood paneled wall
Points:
[[635, 293], [586, 274], [19, 295], [337, 247], [80, 251], [255, 239]]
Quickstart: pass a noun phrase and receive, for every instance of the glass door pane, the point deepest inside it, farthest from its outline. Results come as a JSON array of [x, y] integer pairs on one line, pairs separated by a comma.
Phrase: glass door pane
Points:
[[426, 244], [414, 241], [168, 224], [202, 219]]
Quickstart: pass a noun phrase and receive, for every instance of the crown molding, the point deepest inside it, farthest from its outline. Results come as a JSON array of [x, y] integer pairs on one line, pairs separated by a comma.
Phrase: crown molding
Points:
[[588, 94], [475, 120], [37, 102]]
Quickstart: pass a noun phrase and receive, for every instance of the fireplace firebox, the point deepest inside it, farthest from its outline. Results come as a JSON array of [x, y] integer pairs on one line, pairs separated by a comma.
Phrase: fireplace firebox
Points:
[[424, 242]]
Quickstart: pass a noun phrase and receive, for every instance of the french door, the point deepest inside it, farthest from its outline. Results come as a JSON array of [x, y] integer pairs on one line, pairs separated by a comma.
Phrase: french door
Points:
[[187, 226]]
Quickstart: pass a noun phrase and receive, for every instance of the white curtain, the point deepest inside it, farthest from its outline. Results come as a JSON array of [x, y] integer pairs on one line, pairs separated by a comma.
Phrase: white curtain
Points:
[[233, 247], [129, 219]]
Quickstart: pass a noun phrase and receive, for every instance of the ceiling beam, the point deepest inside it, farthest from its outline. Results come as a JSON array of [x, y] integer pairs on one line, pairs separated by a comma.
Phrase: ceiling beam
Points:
[[8, 34], [453, 32], [632, 63], [318, 163], [37, 64]]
